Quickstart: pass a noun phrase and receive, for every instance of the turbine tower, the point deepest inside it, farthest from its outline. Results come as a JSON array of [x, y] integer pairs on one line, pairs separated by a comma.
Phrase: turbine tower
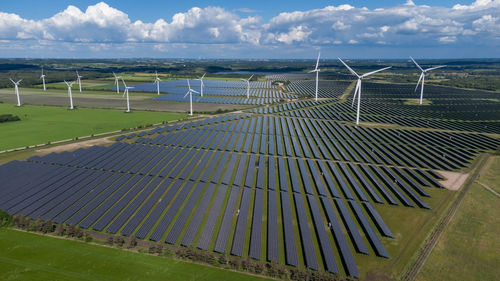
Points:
[[422, 77], [117, 83], [43, 79], [70, 84], [125, 92], [157, 81], [190, 93], [79, 80], [202, 85], [317, 70], [16, 87], [357, 91], [248, 85]]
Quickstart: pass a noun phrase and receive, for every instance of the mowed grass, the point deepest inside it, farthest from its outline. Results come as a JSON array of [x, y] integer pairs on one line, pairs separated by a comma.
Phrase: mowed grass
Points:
[[410, 227], [41, 124], [28, 256], [468, 248]]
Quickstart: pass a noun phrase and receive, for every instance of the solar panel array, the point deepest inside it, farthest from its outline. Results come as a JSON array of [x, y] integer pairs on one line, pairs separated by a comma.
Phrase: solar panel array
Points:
[[214, 91], [285, 184]]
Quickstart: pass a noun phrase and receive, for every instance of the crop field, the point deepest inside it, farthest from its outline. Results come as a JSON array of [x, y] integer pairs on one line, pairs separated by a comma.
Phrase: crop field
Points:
[[27, 256], [294, 183], [42, 124]]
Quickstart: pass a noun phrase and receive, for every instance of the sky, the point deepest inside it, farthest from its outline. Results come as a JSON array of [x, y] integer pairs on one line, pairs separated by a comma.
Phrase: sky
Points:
[[250, 29]]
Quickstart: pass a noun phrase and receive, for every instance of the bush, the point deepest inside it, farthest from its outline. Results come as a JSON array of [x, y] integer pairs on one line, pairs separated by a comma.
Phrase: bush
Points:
[[8, 118], [60, 230], [87, 237], [5, 219], [110, 240], [119, 241], [132, 242]]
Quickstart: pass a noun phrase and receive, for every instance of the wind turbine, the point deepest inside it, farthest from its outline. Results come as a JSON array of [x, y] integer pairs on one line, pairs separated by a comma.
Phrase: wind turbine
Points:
[[422, 77], [317, 70], [125, 92], [248, 85], [70, 84], [157, 81], [16, 84], [201, 83], [79, 80], [190, 93], [357, 91], [43, 79], [117, 83]]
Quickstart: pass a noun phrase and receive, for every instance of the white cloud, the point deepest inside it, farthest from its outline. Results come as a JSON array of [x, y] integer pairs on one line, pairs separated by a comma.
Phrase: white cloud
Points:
[[402, 25]]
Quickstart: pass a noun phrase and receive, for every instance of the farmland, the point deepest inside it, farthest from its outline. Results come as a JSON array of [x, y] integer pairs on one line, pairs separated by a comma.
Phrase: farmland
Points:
[[42, 257], [42, 124]]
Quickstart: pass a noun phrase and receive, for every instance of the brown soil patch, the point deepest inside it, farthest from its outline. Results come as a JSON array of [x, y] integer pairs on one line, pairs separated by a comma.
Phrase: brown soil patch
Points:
[[453, 180], [75, 145]]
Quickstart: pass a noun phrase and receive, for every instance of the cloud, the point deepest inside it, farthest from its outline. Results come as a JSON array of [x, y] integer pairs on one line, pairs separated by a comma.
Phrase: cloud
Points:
[[101, 26]]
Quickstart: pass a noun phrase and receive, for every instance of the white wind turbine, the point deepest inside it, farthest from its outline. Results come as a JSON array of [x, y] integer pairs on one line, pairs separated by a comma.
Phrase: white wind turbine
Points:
[[16, 87], [357, 91], [317, 70], [202, 85], [125, 92], [422, 77], [190, 93], [248, 85], [79, 80], [70, 84], [157, 82], [117, 83], [43, 79]]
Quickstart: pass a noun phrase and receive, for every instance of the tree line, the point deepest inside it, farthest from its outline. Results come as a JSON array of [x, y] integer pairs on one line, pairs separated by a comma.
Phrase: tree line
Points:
[[192, 254]]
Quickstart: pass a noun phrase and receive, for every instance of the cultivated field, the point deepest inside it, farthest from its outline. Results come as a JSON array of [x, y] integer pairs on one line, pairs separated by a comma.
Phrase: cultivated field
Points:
[[27, 256], [42, 124]]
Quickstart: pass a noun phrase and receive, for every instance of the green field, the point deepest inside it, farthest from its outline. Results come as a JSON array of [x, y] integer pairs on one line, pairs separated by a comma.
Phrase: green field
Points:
[[41, 124], [468, 248], [27, 256]]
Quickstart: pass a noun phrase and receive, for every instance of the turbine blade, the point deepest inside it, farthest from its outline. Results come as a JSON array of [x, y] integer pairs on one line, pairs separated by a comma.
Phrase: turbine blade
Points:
[[419, 79], [350, 69], [187, 94], [416, 64], [19, 81], [189, 85], [373, 72], [194, 91], [432, 68], [317, 61], [355, 92], [250, 77], [12, 80], [203, 76]]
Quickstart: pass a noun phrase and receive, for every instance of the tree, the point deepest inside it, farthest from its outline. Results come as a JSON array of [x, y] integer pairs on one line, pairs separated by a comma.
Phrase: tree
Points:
[[110, 240], [87, 237], [132, 242], [60, 230], [48, 226], [119, 241], [78, 232], [71, 230]]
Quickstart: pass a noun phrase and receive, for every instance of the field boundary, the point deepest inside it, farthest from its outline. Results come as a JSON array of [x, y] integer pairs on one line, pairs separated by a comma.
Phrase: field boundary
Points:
[[433, 238]]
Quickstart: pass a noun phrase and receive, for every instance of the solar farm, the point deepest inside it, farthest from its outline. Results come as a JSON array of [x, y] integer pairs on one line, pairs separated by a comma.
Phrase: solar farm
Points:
[[292, 181]]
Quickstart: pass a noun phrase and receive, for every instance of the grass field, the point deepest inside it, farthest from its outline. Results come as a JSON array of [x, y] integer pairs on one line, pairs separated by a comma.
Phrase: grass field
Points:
[[27, 256], [410, 227], [468, 248], [41, 124]]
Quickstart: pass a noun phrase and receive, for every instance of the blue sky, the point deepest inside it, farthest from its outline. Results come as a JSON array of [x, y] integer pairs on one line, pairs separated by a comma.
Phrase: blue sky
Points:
[[250, 29]]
